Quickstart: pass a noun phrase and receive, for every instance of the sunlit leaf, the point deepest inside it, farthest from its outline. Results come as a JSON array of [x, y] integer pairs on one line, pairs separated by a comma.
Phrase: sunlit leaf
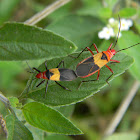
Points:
[[21, 42], [129, 38], [48, 119], [123, 136], [16, 129], [127, 12], [57, 96]]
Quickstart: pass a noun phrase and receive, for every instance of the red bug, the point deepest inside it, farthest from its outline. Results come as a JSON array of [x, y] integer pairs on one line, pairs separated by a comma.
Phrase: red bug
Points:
[[94, 63]]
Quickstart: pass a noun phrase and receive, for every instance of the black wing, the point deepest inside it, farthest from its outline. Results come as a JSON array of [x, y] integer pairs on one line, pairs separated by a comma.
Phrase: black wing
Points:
[[86, 67], [67, 74]]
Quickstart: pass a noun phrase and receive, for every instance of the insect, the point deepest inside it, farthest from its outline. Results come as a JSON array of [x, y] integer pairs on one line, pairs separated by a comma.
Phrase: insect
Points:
[[55, 74], [94, 63]]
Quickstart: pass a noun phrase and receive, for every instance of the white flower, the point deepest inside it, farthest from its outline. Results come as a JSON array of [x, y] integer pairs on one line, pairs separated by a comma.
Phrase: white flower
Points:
[[112, 28], [111, 20], [106, 33], [125, 24]]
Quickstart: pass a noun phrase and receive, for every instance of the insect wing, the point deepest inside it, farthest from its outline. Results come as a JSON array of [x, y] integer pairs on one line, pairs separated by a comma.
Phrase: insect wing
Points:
[[67, 74], [87, 67]]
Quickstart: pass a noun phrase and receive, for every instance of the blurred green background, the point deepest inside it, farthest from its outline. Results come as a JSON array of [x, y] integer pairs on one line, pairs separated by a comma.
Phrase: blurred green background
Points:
[[92, 115]]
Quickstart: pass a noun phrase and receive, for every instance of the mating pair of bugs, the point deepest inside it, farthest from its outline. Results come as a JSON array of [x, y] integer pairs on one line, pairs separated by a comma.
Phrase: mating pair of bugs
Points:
[[84, 69]]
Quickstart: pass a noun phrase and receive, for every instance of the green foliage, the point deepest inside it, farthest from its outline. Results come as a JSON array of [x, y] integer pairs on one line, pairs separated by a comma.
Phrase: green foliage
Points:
[[90, 8], [66, 110], [105, 13], [58, 137], [123, 136], [16, 129], [127, 40], [13, 101], [81, 31], [57, 96], [48, 119], [73, 25], [127, 12], [6, 8], [22, 42]]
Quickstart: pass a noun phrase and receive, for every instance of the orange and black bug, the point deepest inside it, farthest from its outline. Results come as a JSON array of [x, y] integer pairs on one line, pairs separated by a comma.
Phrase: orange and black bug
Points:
[[55, 74], [94, 63]]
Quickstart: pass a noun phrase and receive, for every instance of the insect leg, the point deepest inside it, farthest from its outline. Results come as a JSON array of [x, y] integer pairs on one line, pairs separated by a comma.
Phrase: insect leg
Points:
[[98, 75], [110, 46], [95, 47], [90, 50], [46, 88], [40, 83], [36, 69], [115, 61], [90, 80], [62, 62], [62, 86], [81, 52], [46, 65], [110, 75]]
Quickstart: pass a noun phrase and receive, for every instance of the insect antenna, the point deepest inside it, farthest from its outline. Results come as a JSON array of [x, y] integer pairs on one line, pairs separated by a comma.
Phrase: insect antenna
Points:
[[31, 71], [118, 32], [128, 47]]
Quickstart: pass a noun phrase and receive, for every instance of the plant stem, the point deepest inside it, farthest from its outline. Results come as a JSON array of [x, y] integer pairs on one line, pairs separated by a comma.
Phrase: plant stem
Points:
[[122, 109], [49, 9], [4, 99]]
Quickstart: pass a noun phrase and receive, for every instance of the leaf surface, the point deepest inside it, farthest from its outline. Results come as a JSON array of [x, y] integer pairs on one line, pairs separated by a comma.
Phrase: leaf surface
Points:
[[79, 29], [123, 136], [129, 38], [57, 96], [16, 129], [48, 119], [23, 42]]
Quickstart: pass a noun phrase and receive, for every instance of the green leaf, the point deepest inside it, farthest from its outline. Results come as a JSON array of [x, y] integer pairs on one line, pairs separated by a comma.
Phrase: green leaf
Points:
[[111, 3], [79, 29], [61, 12], [105, 13], [22, 42], [129, 38], [123, 136], [127, 12], [66, 110], [13, 101], [137, 25], [91, 7], [38, 134], [16, 130], [57, 96], [48, 119], [6, 8], [58, 137], [9, 77]]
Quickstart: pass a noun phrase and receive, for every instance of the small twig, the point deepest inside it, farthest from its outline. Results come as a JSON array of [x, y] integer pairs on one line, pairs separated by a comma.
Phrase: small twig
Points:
[[49, 9], [6, 102], [122, 109], [4, 99]]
